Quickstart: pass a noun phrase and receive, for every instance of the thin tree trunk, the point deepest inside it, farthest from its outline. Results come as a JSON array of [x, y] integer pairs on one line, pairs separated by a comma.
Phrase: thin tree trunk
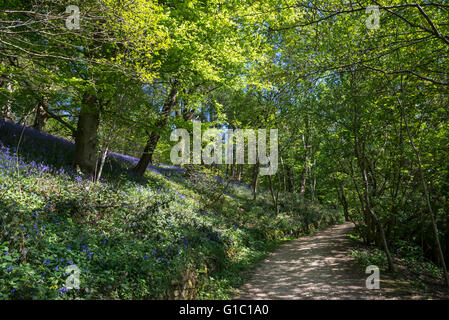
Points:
[[376, 219], [240, 172], [344, 203], [312, 181], [302, 189], [427, 198], [104, 154], [292, 180], [362, 203], [188, 114], [147, 156], [342, 199], [366, 194], [105, 150], [284, 176], [273, 196], [255, 180]]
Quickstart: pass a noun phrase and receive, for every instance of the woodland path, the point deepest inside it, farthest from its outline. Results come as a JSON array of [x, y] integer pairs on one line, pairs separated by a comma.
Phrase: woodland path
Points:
[[314, 267]]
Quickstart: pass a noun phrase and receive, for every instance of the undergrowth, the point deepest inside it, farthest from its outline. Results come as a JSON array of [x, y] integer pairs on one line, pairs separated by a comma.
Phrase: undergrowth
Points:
[[129, 237]]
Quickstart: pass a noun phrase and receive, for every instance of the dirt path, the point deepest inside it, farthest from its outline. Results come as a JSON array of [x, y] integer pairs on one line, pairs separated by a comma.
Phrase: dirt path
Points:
[[312, 267]]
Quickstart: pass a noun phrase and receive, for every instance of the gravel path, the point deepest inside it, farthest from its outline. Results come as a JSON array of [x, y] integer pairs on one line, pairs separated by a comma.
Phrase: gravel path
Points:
[[312, 267]]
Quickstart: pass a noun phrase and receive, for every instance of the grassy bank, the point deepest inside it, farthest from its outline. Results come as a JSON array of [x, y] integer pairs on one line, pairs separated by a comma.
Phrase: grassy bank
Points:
[[162, 236]]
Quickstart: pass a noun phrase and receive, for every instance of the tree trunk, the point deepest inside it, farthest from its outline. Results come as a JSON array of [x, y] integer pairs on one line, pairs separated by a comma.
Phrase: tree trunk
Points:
[[104, 154], [446, 236], [291, 179], [312, 180], [188, 114], [344, 203], [273, 196], [284, 175], [86, 139], [147, 156], [240, 171], [5, 112], [255, 180], [342, 199], [40, 118], [104, 151], [302, 189]]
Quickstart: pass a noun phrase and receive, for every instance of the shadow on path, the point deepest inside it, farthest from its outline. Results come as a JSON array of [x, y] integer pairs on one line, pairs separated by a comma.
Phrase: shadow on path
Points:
[[312, 267]]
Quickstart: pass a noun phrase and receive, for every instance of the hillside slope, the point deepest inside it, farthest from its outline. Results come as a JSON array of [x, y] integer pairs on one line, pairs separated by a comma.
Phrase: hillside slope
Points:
[[155, 237]]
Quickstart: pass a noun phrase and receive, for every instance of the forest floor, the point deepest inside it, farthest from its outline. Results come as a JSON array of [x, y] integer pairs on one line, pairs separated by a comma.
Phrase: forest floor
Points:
[[320, 266]]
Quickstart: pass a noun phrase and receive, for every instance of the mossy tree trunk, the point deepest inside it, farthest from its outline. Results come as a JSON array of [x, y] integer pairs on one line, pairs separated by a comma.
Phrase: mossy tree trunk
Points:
[[86, 138]]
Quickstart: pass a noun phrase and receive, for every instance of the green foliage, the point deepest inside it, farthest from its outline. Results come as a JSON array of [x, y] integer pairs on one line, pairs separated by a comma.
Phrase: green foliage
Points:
[[374, 257]]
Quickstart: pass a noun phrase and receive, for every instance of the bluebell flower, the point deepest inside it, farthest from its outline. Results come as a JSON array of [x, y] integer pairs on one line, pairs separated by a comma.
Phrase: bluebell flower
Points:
[[46, 262], [63, 290]]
